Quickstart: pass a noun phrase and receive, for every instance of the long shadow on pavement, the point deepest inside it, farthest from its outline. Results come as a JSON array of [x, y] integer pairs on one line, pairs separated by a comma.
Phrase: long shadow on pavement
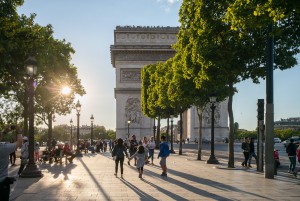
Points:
[[211, 183], [94, 179]]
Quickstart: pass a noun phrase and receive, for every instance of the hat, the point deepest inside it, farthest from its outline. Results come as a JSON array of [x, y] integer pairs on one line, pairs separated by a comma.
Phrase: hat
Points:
[[25, 138]]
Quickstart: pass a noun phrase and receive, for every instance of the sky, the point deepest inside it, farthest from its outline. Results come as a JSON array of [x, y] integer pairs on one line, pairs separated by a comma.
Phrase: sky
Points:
[[89, 26]]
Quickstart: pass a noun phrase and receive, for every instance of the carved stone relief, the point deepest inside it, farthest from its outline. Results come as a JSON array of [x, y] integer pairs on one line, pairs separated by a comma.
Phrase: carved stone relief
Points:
[[144, 57], [130, 75], [133, 110], [207, 115]]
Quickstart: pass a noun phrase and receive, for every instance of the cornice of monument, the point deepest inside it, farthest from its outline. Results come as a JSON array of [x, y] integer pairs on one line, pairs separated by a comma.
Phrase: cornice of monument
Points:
[[146, 28]]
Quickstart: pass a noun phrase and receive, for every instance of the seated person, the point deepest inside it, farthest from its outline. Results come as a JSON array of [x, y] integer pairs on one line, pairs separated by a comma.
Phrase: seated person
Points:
[[58, 152], [68, 152]]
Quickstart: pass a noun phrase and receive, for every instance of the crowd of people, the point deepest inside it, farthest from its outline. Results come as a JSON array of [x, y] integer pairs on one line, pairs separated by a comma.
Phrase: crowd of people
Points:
[[141, 152], [292, 150]]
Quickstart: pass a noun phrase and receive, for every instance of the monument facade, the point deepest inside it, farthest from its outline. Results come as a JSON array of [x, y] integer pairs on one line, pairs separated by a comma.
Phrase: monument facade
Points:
[[133, 48]]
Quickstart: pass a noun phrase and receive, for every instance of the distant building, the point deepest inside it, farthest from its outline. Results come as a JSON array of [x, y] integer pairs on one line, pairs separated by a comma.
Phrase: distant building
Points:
[[293, 123]]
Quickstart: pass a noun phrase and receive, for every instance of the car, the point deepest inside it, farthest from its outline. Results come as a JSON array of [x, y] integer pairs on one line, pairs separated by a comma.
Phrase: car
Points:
[[277, 140], [296, 140]]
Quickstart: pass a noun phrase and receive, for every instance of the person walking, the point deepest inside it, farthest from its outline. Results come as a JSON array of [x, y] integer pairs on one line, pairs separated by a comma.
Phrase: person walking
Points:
[[24, 155], [5, 150], [298, 155], [291, 150], [118, 153], [146, 146], [151, 145], [140, 156], [133, 148], [164, 152], [12, 156], [252, 152], [246, 151], [37, 152]]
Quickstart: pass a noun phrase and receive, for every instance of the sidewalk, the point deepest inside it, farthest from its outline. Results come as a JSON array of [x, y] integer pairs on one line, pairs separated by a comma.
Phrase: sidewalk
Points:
[[91, 178]]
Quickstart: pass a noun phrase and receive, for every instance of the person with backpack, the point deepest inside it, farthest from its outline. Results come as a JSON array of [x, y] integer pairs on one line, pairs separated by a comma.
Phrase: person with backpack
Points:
[[133, 148], [246, 151], [118, 154], [164, 152], [291, 150]]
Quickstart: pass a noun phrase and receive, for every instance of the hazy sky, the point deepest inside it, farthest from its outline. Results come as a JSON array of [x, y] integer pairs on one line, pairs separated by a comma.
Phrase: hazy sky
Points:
[[89, 26]]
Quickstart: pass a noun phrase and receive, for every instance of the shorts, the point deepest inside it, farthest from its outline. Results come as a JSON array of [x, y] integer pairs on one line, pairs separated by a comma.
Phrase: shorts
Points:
[[163, 161]]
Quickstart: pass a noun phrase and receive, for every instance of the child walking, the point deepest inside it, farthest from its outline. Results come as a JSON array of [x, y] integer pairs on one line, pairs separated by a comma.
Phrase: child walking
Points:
[[140, 156]]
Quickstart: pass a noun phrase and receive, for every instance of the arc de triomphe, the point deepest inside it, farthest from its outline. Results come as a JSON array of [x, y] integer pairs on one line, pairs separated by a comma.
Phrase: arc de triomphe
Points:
[[135, 47]]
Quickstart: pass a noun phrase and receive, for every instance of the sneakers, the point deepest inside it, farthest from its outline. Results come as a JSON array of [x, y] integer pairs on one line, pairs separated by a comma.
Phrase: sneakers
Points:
[[249, 166], [289, 171], [295, 174], [243, 164], [163, 174]]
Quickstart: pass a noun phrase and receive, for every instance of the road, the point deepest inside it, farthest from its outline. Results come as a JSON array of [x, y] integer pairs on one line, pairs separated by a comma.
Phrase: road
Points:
[[221, 152]]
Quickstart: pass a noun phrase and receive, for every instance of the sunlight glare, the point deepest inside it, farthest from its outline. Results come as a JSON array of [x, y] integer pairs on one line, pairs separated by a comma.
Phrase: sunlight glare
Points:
[[66, 90]]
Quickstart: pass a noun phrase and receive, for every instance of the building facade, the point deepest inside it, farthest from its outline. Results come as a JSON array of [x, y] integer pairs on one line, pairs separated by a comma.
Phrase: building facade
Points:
[[133, 48]]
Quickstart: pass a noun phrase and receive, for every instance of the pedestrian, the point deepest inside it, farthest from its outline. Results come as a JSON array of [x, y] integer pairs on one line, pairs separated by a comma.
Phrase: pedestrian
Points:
[[298, 155], [133, 147], [68, 152], [252, 152], [151, 145], [53, 143], [5, 150], [246, 151], [291, 150], [12, 156], [139, 155], [146, 146], [118, 153], [24, 155], [37, 151], [163, 154]]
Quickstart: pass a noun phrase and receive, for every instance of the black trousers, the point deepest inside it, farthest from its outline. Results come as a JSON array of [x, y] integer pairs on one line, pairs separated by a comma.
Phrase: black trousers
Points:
[[12, 158], [121, 159], [4, 191], [246, 156]]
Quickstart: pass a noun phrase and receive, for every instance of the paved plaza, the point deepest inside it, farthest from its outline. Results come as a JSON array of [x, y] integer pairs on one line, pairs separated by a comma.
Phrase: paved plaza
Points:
[[91, 178]]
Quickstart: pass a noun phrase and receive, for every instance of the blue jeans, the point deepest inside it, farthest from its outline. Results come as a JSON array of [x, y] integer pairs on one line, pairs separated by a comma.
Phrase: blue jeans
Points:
[[151, 154], [252, 154], [292, 164]]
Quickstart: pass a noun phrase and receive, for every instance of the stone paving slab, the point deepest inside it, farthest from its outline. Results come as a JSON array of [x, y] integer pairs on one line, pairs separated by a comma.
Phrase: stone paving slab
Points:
[[91, 178]]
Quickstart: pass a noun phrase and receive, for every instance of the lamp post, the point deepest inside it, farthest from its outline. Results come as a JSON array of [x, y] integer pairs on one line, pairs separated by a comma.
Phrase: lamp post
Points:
[[172, 137], [31, 169], [92, 143], [71, 140], [78, 108], [128, 123], [212, 159]]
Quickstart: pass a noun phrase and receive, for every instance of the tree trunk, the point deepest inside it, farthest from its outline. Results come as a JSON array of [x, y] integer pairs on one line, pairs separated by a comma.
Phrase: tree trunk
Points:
[[49, 130], [199, 112], [231, 129], [180, 136], [158, 134], [168, 128]]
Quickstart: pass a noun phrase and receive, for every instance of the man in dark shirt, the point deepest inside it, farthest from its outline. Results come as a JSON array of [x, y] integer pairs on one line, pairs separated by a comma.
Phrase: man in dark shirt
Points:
[[133, 148]]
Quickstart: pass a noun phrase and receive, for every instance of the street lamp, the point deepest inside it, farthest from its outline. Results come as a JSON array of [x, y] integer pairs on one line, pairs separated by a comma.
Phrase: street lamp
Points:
[[128, 123], [31, 169], [78, 108], [212, 159], [172, 138], [92, 121], [71, 140]]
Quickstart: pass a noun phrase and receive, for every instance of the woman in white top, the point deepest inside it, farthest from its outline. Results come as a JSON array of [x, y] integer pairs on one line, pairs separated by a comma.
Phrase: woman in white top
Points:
[[145, 144], [151, 147]]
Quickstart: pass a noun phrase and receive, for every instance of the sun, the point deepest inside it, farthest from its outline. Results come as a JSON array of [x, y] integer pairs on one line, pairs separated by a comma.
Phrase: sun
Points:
[[66, 90]]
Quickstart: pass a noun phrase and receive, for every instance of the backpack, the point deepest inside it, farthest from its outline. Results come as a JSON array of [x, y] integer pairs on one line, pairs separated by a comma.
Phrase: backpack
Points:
[[291, 149], [119, 151], [243, 145]]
